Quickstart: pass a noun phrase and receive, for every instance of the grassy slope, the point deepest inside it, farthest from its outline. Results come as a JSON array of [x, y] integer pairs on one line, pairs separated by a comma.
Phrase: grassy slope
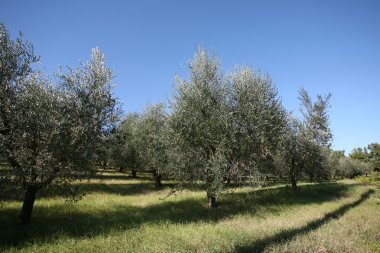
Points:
[[121, 214]]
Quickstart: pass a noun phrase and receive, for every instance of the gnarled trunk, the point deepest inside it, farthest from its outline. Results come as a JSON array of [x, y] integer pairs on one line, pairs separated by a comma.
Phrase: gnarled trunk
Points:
[[27, 206]]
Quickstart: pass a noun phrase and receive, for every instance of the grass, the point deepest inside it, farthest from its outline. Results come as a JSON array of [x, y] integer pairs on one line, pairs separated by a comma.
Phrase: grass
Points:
[[121, 214]]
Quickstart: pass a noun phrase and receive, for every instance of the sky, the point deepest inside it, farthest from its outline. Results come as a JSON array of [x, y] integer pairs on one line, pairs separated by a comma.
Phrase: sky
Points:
[[324, 46]]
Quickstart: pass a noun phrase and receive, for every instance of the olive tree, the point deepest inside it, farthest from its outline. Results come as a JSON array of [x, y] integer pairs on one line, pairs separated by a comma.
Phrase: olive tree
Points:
[[199, 126], [123, 150], [16, 60], [224, 125], [374, 155], [257, 122], [353, 167], [333, 163], [50, 133], [294, 152], [151, 141], [316, 121], [304, 148]]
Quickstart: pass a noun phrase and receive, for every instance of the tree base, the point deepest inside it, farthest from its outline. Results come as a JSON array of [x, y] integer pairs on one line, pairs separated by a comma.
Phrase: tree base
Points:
[[27, 206]]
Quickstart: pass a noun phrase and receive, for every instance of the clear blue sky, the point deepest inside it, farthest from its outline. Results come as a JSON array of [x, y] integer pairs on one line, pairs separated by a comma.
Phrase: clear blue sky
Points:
[[324, 46]]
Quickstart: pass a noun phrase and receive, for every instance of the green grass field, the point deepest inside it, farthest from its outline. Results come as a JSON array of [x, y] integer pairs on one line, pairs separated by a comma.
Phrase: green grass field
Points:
[[121, 214]]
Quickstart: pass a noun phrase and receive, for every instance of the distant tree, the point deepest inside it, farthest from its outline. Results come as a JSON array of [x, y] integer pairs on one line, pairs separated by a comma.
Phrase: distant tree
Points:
[[370, 155], [353, 167], [151, 143], [338, 153], [333, 162], [50, 132], [199, 126], [374, 155], [123, 150], [360, 154], [102, 156]]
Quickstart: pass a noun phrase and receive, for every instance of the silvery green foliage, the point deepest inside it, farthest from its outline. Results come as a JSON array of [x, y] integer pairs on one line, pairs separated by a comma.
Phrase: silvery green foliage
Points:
[[316, 117], [258, 120], [199, 124], [305, 145], [316, 121], [54, 130], [224, 126], [293, 150], [151, 144], [90, 90], [91, 110], [16, 58]]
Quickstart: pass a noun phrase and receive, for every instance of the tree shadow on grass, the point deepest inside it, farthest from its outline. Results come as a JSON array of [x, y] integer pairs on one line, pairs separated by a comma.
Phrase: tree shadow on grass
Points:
[[53, 221], [260, 245]]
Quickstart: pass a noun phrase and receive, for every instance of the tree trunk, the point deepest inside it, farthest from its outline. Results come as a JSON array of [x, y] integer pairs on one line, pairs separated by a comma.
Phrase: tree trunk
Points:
[[211, 200], [27, 206], [121, 169], [293, 178], [227, 179], [157, 179], [294, 182], [134, 173]]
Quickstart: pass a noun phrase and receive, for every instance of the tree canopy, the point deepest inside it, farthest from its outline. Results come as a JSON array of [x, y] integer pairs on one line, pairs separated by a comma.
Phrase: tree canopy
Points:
[[50, 133]]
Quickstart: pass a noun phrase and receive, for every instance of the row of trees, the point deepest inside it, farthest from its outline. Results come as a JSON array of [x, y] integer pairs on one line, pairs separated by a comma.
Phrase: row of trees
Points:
[[226, 126], [140, 143], [223, 127], [361, 161], [369, 154], [219, 127]]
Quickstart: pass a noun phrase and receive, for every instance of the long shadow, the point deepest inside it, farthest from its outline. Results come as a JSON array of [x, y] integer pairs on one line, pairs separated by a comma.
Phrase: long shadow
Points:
[[260, 245], [51, 222]]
